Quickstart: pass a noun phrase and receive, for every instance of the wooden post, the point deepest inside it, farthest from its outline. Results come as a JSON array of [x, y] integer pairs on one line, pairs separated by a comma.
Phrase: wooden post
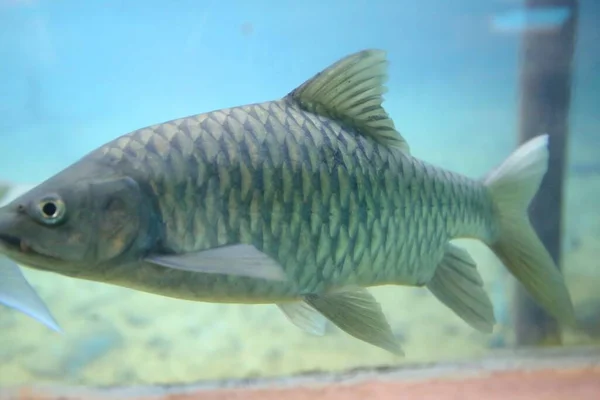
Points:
[[545, 100]]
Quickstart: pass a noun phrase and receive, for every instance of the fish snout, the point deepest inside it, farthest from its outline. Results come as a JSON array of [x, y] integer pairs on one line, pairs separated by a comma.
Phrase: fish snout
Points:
[[9, 235]]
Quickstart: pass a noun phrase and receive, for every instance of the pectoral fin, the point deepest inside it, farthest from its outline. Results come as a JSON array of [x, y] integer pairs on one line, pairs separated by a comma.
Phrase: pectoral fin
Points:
[[356, 312], [17, 293], [238, 260]]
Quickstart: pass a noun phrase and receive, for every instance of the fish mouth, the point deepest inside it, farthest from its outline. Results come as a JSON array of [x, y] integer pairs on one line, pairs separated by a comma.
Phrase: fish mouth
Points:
[[15, 243], [11, 241], [20, 251]]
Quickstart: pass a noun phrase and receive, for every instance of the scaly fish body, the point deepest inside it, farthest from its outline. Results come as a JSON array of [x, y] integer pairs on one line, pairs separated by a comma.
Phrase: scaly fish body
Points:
[[303, 202], [331, 206]]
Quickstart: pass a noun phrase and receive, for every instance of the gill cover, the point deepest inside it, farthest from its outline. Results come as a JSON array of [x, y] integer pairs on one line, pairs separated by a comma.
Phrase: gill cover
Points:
[[120, 213]]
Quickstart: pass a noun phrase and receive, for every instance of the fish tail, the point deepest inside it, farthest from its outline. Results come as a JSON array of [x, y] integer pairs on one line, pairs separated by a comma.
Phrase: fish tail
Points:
[[512, 186]]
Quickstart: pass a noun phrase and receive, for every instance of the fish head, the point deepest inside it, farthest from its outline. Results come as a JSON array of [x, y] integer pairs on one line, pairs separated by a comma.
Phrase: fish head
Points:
[[74, 222]]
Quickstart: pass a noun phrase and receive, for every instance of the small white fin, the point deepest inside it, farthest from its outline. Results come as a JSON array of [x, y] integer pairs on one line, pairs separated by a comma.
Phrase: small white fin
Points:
[[238, 260], [351, 91], [356, 312], [17, 293], [304, 317], [512, 186], [4, 188], [459, 286]]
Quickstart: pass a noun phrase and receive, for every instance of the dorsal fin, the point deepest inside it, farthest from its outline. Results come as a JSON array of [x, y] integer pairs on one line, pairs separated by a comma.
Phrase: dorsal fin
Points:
[[351, 91]]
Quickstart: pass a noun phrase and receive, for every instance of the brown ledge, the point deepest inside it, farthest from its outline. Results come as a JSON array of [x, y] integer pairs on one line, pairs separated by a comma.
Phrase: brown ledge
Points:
[[549, 374]]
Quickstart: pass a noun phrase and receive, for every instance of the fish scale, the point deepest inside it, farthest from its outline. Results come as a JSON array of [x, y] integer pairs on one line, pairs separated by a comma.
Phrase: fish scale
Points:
[[222, 189], [303, 202]]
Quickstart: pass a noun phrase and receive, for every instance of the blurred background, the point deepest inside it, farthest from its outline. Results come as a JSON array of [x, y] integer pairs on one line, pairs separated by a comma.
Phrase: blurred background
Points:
[[76, 74]]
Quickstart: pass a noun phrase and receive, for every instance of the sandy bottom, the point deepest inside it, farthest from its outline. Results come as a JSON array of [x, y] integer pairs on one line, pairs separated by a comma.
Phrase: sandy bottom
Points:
[[116, 336]]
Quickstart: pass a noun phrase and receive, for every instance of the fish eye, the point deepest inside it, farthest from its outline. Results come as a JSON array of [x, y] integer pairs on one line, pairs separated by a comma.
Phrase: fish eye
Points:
[[51, 209]]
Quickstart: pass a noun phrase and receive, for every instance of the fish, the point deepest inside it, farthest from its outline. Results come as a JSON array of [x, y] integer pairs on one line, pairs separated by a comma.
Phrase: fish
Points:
[[17, 293], [304, 202]]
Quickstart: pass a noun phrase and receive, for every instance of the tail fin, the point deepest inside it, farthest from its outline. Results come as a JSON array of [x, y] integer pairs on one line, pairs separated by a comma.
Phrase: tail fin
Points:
[[512, 186]]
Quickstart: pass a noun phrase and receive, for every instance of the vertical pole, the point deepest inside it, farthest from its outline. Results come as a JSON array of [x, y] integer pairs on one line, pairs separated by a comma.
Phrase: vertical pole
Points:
[[545, 100]]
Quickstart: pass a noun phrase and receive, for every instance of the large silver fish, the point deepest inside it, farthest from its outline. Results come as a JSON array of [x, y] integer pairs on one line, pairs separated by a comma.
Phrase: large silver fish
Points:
[[302, 202]]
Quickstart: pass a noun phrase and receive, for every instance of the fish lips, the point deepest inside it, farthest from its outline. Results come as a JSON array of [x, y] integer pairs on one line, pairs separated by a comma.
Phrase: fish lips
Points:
[[18, 250], [14, 243], [11, 241], [10, 238]]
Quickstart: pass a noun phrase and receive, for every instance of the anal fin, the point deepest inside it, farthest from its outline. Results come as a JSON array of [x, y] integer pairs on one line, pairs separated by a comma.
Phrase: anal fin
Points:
[[459, 286], [304, 317], [356, 312]]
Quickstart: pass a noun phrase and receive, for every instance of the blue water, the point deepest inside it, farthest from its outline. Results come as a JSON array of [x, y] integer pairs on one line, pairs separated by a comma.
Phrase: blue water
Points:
[[75, 74]]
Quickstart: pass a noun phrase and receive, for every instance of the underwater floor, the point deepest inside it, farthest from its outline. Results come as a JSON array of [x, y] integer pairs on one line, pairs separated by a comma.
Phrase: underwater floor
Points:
[[116, 336]]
